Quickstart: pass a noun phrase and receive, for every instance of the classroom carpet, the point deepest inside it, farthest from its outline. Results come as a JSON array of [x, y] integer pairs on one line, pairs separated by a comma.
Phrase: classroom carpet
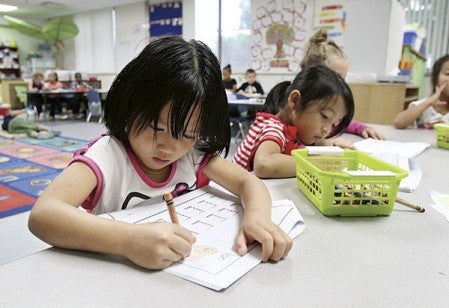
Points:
[[27, 166]]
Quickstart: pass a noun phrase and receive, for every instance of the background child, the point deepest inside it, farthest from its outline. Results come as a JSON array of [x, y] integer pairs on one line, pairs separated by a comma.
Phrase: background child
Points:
[[321, 50], [36, 84], [251, 86], [229, 83], [433, 109], [16, 122], [319, 106], [79, 102], [53, 84], [166, 115]]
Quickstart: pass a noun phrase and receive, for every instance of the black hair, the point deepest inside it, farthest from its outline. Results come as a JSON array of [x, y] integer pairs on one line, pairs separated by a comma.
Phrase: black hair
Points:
[[276, 98], [320, 84], [250, 71], [171, 70], [436, 69], [228, 67]]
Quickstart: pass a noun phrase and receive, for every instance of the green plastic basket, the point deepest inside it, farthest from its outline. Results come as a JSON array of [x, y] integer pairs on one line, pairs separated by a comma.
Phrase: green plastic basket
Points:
[[442, 130], [351, 184]]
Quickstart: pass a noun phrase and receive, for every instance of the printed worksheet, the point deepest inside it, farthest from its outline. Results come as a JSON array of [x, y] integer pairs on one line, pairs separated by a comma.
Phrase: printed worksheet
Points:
[[407, 149], [214, 217]]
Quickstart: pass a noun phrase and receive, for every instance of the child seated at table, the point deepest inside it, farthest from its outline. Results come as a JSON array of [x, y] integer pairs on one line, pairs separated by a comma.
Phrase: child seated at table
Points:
[[251, 86], [318, 106], [55, 100], [79, 102], [35, 85], [424, 113]]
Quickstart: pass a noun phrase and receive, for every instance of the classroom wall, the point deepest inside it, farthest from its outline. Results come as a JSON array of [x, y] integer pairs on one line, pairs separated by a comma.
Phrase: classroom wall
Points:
[[370, 42], [373, 36]]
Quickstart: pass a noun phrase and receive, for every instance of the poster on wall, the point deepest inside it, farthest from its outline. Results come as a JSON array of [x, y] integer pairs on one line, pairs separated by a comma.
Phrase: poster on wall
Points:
[[165, 18], [280, 29], [331, 16]]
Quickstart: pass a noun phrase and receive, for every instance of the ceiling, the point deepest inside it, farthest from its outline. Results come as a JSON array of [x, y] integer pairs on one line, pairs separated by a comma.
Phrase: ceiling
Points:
[[42, 10]]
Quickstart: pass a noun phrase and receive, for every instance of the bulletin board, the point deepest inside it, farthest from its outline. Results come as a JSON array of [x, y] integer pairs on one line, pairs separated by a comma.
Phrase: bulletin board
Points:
[[279, 32], [331, 16], [165, 18]]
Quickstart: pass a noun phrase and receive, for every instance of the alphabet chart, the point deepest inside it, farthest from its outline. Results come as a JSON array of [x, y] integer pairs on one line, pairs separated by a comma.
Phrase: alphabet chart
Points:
[[214, 218]]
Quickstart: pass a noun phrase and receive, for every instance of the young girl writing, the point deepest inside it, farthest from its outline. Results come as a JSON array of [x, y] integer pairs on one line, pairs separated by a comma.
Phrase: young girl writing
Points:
[[433, 109], [318, 106], [321, 50], [165, 112]]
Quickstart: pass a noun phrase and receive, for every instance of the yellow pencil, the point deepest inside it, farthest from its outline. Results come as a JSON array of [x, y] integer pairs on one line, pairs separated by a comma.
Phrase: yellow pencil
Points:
[[171, 207], [411, 205]]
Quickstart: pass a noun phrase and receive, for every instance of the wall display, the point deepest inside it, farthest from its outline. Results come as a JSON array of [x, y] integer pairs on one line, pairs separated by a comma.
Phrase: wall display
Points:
[[332, 17], [279, 31], [165, 19]]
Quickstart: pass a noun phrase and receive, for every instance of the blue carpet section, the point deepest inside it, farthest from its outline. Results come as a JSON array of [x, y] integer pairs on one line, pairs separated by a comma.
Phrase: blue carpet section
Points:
[[27, 166]]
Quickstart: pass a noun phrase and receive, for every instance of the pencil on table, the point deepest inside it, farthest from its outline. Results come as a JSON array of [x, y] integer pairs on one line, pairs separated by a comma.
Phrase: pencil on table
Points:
[[171, 207], [411, 205]]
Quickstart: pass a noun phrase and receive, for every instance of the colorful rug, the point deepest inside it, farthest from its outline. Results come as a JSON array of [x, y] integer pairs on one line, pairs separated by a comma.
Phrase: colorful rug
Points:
[[27, 166]]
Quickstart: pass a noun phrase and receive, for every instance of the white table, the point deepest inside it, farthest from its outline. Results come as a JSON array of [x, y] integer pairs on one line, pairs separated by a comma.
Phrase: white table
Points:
[[397, 261]]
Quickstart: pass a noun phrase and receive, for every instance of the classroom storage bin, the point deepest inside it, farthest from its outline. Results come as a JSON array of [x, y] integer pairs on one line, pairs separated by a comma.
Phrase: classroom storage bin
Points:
[[442, 130], [353, 183]]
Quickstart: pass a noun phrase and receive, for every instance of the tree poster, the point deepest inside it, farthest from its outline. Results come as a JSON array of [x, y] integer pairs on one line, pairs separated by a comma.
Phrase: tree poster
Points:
[[280, 29]]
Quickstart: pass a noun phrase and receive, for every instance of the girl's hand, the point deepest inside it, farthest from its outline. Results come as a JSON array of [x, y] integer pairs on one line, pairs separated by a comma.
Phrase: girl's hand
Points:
[[275, 242], [371, 132], [343, 143], [435, 98], [157, 245]]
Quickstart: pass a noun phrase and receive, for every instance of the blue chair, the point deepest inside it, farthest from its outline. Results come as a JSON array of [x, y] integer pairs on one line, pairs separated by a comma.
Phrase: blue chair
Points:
[[94, 105]]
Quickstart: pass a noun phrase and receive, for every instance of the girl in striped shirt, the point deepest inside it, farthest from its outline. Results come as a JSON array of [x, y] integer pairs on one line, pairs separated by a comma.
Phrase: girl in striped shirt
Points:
[[318, 105]]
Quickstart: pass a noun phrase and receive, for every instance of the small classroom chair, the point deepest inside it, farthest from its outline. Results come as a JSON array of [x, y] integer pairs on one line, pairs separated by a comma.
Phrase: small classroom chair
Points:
[[94, 105]]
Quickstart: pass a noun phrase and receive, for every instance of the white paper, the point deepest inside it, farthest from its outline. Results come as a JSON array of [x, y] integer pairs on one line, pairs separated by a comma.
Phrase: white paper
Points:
[[441, 203], [411, 182], [407, 149], [214, 217]]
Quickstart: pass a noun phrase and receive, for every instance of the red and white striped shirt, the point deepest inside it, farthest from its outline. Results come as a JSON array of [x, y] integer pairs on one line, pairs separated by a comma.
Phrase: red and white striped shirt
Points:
[[266, 127]]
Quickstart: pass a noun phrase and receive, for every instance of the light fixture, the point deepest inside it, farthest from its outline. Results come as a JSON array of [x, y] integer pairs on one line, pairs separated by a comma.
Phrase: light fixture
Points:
[[7, 8]]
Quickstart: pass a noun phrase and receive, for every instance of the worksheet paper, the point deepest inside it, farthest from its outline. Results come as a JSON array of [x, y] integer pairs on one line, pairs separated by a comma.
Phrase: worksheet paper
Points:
[[407, 149], [214, 217], [400, 154], [411, 182]]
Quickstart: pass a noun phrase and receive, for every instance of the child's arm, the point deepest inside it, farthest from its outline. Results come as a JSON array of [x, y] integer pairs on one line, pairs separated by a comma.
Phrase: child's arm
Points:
[[56, 220], [269, 162], [30, 87], [256, 224], [363, 130], [407, 117]]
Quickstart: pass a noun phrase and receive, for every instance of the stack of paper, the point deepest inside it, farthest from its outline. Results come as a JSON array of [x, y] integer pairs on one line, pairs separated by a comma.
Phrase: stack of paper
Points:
[[407, 149], [400, 154], [411, 182]]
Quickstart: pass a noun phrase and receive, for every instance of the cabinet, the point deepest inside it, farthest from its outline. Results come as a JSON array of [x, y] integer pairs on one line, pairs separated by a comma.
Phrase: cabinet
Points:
[[379, 103], [9, 92], [9, 62], [41, 65]]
